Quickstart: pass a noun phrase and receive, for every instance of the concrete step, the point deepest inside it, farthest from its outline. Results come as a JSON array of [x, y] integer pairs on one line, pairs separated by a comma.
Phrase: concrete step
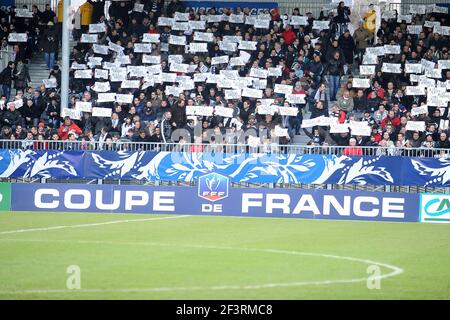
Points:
[[301, 139]]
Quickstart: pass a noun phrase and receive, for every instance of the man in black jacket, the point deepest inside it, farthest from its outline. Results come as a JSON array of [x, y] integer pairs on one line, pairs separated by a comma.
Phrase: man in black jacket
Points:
[[49, 44], [6, 78]]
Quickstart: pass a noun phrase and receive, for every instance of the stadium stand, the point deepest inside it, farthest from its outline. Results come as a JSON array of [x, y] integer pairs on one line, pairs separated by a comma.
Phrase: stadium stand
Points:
[[148, 70]]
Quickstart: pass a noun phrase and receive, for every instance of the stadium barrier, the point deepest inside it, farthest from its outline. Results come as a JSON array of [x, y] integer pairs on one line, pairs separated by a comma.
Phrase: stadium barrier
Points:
[[240, 168], [213, 196], [127, 145]]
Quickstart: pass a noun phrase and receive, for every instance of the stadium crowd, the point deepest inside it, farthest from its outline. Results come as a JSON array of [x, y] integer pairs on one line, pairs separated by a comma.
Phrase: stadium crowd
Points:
[[169, 68]]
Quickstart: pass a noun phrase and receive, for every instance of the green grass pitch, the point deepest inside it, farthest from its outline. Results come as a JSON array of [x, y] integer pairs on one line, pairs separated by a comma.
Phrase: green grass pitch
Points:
[[192, 257]]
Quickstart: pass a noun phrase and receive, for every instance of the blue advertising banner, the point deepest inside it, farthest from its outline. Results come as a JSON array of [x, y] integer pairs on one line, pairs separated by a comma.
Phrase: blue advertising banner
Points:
[[7, 3], [251, 168], [214, 196], [255, 7]]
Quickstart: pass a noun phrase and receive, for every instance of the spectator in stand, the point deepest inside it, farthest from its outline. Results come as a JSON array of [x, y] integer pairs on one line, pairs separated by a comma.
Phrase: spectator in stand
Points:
[[68, 127]]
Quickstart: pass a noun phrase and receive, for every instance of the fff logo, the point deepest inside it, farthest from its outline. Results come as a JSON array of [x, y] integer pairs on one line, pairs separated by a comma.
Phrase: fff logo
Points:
[[212, 187]]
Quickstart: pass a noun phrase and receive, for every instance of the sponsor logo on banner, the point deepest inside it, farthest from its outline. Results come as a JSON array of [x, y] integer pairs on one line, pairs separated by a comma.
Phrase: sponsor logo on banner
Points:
[[213, 186], [435, 208], [5, 196]]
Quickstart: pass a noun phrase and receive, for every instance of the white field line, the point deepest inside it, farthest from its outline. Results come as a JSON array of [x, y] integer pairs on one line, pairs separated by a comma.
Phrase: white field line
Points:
[[90, 224], [395, 270]]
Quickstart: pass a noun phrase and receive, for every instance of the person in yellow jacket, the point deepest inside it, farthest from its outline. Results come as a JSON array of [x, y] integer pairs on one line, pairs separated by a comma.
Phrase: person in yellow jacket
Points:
[[86, 10], [370, 19]]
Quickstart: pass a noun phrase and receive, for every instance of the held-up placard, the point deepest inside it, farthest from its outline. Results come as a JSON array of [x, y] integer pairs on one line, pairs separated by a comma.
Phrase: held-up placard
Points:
[[415, 126], [223, 111], [101, 86], [247, 45], [83, 106], [100, 49], [415, 91], [288, 111], [106, 97], [197, 25], [391, 49], [233, 94], [360, 128], [89, 38], [130, 84], [146, 58], [195, 47], [361, 83], [299, 21], [283, 88], [142, 47], [71, 113], [203, 36], [97, 28], [17, 37], [296, 98], [321, 25], [177, 40], [419, 110], [101, 112], [50, 83], [151, 37], [124, 98], [391, 67], [339, 128], [219, 60], [83, 74], [413, 68], [366, 70], [252, 93]]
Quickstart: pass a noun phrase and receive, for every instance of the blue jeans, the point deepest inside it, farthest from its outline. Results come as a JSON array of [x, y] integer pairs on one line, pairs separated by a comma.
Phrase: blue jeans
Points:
[[6, 90], [333, 84], [50, 59]]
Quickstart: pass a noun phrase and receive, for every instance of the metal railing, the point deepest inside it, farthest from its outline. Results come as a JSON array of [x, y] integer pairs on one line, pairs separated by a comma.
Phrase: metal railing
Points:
[[127, 145]]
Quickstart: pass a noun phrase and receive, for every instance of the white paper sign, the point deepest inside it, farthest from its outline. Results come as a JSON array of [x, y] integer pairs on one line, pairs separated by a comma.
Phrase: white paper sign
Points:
[[252, 93], [71, 113], [101, 86], [414, 29], [179, 67], [360, 128], [275, 72], [415, 126], [413, 68], [407, 18], [17, 37], [83, 106], [106, 97], [391, 49], [296, 98], [224, 112], [124, 98], [197, 25], [366, 70], [299, 21], [130, 84], [419, 110], [146, 58], [339, 128], [195, 47], [97, 28], [23, 13], [361, 83], [219, 60], [370, 59], [142, 47], [101, 112], [115, 47], [165, 22], [236, 18], [83, 74], [233, 94], [151, 37], [376, 51], [203, 36], [50, 83], [117, 74], [177, 40], [247, 45], [288, 111], [89, 38], [391, 67], [259, 73], [283, 88], [415, 91], [321, 25]]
